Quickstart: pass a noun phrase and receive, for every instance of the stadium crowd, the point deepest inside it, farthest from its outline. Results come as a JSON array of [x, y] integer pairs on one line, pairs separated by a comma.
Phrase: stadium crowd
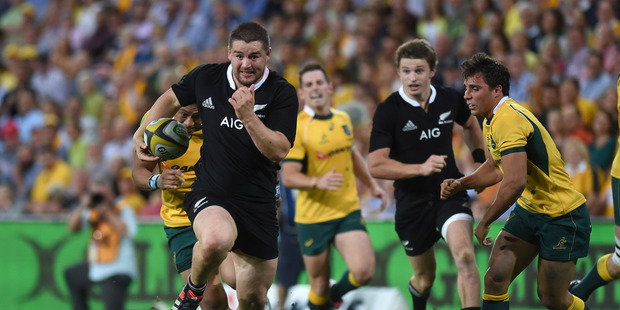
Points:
[[77, 75]]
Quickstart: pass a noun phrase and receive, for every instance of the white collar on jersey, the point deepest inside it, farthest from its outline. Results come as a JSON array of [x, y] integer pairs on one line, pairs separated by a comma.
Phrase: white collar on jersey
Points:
[[231, 80], [500, 103], [401, 92], [309, 110]]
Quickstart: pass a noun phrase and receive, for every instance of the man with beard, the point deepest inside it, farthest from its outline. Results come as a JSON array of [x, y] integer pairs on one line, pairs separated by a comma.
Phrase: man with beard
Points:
[[248, 118]]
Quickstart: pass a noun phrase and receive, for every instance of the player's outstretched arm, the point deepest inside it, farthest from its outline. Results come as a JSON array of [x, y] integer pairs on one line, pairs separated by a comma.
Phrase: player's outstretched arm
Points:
[[293, 177], [165, 106], [382, 166]]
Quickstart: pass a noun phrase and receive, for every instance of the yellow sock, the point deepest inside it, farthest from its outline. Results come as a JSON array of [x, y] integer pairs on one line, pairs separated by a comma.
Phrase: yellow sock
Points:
[[489, 297], [352, 280], [316, 299], [601, 267], [578, 304]]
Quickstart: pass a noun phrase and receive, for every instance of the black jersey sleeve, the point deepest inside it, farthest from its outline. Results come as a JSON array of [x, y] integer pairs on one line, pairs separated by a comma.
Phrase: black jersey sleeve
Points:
[[185, 89], [382, 133], [283, 113], [463, 112]]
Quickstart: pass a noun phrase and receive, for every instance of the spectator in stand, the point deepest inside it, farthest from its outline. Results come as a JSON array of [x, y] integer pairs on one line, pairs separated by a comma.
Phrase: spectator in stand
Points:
[[551, 24], [550, 99], [189, 25], [121, 144], [603, 145], [68, 60], [518, 44], [433, 23], [49, 81], [605, 43], [595, 80], [54, 178], [29, 116], [576, 53], [577, 164], [570, 95], [520, 78], [606, 13], [129, 194], [74, 145], [9, 146], [528, 11], [573, 124]]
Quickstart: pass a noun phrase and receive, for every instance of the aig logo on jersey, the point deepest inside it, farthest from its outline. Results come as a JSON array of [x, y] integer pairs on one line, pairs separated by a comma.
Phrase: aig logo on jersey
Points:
[[230, 122], [430, 133]]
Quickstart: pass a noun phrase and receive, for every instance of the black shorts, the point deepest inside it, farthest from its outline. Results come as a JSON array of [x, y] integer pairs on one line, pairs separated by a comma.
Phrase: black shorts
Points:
[[419, 219], [257, 224]]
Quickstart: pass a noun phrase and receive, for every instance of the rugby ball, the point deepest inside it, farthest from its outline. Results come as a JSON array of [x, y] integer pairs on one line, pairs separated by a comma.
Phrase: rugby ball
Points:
[[166, 138]]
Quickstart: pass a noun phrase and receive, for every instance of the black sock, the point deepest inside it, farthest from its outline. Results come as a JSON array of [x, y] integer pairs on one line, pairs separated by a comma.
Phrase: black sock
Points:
[[471, 308], [196, 288], [419, 299]]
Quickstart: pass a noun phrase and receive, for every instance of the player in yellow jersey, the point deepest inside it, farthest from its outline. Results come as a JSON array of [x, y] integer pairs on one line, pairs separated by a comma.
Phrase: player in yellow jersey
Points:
[[322, 165], [550, 218], [175, 178], [607, 267]]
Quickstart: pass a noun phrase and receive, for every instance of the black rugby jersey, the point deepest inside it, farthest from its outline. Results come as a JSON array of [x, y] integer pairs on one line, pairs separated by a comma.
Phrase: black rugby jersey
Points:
[[230, 165], [413, 135]]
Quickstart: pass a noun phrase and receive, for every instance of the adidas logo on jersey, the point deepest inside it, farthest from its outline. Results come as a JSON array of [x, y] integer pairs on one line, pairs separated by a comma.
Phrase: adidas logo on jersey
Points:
[[208, 103], [410, 126]]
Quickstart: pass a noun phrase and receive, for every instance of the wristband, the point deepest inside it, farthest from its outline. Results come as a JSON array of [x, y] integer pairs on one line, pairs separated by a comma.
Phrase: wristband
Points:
[[154, 181], [478, 155]]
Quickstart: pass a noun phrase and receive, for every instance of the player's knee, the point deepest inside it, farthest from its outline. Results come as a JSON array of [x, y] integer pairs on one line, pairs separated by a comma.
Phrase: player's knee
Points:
[[494, 280], [364, 275], [214, 247], [252, 300], [424, 281], [465, 258]]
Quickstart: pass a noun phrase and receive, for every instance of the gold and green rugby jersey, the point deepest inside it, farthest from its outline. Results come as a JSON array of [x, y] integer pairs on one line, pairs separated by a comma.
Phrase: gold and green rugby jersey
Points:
[[321, 144], [172, 199], [549, 190], [615, 166]]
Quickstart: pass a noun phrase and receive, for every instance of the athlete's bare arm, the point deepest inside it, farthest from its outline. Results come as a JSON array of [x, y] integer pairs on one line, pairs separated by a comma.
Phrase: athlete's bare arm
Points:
[[513, 184], [382, 166], [165, 106], [361, 172]]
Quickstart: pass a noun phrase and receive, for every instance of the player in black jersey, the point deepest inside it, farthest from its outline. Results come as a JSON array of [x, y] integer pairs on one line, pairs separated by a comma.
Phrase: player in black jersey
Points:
[[411, 142], [249, 116]]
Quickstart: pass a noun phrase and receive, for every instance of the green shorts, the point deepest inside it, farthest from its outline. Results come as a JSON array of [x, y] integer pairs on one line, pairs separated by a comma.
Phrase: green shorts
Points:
[[314, 239], [181, 242], [615, 193], [562, 238]]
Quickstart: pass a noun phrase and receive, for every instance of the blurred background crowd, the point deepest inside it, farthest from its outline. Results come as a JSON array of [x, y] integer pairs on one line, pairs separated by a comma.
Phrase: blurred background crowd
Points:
[[76, 76]]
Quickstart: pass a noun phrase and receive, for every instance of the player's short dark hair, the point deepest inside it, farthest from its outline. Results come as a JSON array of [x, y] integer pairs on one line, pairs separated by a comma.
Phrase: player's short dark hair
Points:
[[417, 49], [494, 73], [250, 32], [313, 66]]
